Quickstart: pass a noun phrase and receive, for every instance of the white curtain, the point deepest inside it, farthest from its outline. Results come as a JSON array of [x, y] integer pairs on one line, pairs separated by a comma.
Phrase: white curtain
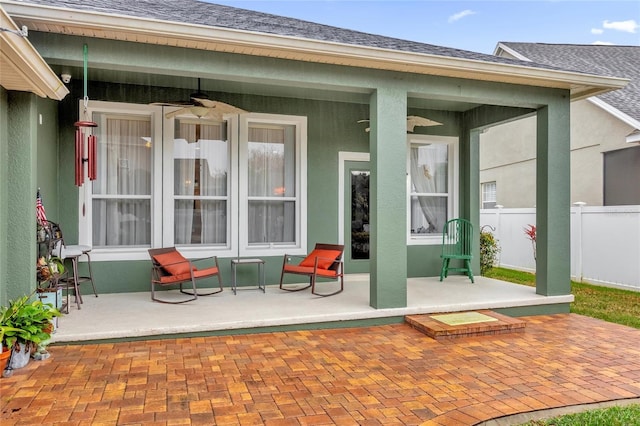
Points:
[[121, 193], [271, 189], [184, 181], [201, 167], [429, 175], [214, 172]]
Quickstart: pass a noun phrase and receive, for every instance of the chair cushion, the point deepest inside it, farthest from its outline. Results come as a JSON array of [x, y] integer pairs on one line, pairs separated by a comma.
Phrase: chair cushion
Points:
[[173, 262], [325, 258], [308, 270], [197, 273]]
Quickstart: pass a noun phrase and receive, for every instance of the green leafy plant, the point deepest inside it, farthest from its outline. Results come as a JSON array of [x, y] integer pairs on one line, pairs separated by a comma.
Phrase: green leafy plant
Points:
[[26, 321], [489, 249]]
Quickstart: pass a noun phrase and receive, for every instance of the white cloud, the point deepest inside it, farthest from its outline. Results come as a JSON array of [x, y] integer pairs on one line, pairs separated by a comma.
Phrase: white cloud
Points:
[[629, 26], [603, 43], [460, 15], [597, 30]]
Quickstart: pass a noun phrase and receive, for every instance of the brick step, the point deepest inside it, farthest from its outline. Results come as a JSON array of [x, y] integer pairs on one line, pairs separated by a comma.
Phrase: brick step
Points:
[[465, 324]]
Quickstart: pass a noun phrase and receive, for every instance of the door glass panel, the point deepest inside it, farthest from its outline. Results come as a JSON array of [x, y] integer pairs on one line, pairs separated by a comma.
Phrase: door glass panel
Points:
[[360, 215]]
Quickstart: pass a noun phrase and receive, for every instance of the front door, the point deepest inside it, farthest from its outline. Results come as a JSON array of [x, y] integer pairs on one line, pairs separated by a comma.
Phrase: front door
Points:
[[356, 216]]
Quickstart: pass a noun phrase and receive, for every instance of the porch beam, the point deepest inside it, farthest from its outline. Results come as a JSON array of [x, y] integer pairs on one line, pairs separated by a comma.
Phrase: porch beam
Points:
[[553, 187], [388, 249]]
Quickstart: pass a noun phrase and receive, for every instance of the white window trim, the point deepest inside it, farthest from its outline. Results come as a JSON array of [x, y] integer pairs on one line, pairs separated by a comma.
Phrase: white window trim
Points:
[[85, 212], [484, 193], [168, 210], [343, 157], [300, 123], [164, 205], [454, 164]]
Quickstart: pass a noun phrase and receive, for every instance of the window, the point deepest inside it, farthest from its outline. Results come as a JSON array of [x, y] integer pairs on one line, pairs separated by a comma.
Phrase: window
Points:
[[489, 195], [234, 188], [201, 183], [272, 179], [432, 183]]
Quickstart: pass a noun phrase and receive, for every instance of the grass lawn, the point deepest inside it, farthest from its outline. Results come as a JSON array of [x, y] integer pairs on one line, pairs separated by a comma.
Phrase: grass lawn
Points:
[[608, 304]]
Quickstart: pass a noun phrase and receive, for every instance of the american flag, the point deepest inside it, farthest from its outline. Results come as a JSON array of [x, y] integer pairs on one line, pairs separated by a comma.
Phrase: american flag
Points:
[[41, 215]]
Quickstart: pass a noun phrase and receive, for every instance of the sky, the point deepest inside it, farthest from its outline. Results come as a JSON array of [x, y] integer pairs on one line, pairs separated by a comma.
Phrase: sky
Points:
[[470, 25]]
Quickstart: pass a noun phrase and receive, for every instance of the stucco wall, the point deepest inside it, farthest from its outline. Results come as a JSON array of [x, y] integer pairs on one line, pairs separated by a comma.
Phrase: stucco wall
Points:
[[4, 208], [508, 152], [21, 191]]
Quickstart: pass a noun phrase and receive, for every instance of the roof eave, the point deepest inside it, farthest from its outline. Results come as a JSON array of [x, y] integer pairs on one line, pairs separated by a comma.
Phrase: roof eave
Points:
[[143, 30], [21, 66]]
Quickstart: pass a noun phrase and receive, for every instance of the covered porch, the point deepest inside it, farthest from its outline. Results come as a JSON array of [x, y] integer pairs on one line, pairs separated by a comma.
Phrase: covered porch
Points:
[[134, 316]]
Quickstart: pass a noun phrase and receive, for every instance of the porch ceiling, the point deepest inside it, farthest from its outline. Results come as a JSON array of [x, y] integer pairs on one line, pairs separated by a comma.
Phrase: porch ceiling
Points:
[[150, 31], [21, 67]]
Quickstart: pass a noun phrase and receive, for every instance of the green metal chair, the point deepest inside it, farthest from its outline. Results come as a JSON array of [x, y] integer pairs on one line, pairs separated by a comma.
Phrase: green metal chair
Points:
[[457, 241]]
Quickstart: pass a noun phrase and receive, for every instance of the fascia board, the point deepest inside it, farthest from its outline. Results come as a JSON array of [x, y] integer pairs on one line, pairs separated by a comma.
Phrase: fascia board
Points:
[[30, 71], [144, 30]]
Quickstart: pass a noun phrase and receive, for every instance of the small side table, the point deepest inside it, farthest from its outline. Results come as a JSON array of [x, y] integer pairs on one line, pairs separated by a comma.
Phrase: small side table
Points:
[[234, 266]]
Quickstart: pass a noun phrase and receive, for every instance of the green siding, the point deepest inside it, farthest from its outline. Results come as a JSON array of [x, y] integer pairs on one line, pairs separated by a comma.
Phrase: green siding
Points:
[[47, 158]]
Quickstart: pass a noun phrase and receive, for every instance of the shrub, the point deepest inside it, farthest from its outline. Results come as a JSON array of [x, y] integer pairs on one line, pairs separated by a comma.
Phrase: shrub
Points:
[[489, 249]]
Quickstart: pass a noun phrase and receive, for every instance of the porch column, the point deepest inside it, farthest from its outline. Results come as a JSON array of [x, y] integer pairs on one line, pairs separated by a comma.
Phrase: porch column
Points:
[[21, 188], [553, 269], [388, 203], [470, 194]]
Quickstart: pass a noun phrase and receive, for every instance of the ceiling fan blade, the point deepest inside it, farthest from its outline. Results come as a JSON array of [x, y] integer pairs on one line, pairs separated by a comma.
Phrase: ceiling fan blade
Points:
[[176, 104], [219, 106], [177, 112], [416, 121]]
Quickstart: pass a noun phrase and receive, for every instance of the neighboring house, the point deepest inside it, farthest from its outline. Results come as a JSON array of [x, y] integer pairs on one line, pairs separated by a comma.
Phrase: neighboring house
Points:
[[277, 178], [605, 132]]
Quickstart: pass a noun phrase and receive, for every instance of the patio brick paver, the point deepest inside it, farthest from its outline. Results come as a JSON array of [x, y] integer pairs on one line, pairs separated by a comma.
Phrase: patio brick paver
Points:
[[372, 375]]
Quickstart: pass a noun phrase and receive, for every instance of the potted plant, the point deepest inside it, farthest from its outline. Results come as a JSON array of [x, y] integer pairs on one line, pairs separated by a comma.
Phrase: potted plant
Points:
[[24, 325]]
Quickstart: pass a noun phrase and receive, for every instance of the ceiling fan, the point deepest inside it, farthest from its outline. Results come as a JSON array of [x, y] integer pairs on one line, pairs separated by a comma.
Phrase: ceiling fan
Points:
[[413, 121], [201, 106]]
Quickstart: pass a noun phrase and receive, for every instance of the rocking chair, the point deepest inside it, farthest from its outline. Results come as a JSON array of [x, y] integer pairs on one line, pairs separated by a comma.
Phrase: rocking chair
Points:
[[324, 261], [170, 268]]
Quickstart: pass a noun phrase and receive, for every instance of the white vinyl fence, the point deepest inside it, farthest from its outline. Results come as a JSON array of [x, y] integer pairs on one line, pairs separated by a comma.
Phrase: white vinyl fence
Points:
[[605, 242]]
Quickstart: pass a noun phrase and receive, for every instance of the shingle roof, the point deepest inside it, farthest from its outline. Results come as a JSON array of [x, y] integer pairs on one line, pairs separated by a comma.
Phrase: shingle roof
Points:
[[615, 61], [213, 15]]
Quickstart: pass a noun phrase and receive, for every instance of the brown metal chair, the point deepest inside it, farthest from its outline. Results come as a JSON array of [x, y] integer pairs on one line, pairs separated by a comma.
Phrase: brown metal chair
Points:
[[324, 261], [170, 268]]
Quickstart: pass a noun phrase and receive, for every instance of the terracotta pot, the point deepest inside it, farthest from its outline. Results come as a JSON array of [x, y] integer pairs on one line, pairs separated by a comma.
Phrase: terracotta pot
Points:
[[4, 358]]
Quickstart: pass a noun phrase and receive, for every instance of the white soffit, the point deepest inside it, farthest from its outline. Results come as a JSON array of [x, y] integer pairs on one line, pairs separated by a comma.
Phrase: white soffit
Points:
[[150, 31], [21, 66]]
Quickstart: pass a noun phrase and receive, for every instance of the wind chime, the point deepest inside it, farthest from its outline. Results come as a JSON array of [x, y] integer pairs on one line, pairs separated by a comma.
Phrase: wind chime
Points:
[[83, 131]]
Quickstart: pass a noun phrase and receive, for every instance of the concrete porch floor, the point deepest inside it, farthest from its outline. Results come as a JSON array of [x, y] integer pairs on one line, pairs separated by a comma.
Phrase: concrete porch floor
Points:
[[131, 315]]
